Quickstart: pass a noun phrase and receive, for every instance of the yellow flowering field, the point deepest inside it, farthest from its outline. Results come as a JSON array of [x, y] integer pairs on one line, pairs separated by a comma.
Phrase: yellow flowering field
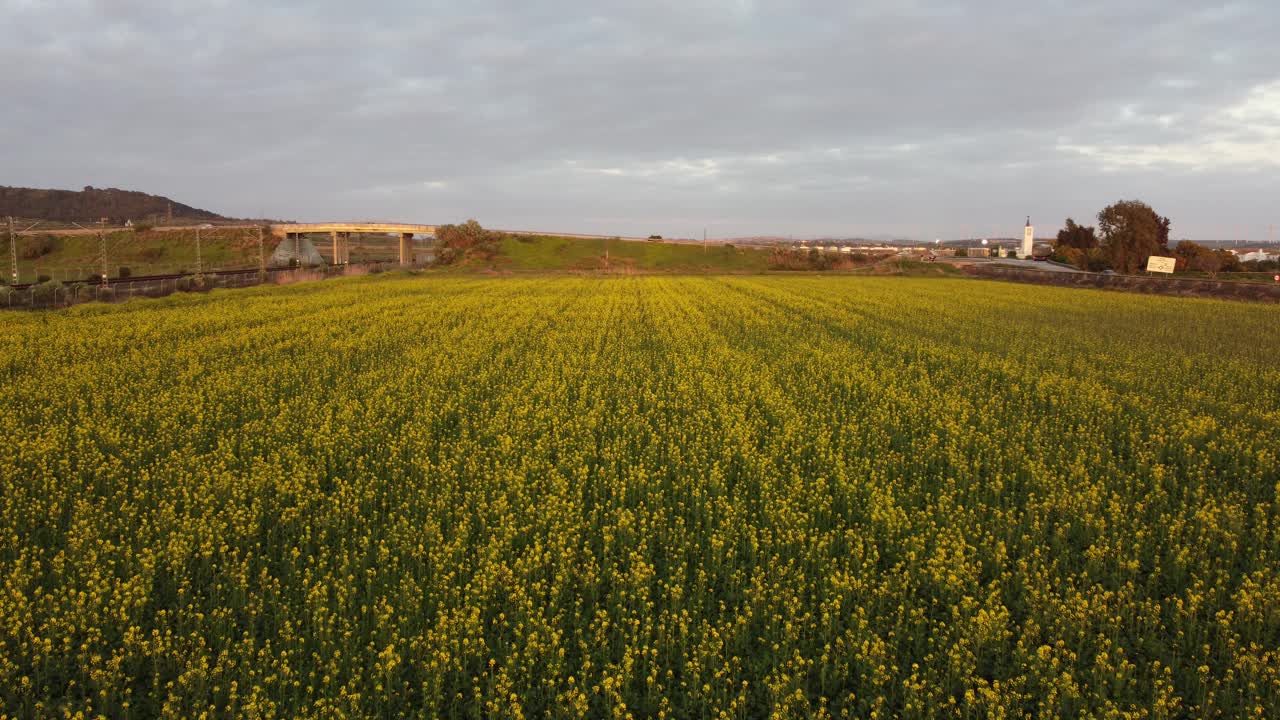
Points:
[[671, 497]]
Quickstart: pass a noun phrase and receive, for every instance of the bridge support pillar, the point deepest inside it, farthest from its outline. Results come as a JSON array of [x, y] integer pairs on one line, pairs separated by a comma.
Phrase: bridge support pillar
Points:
[[406, 248], [337, 250], [345, 240]]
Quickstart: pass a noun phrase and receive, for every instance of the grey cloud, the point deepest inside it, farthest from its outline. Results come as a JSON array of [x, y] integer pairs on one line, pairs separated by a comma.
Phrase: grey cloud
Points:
[[921, 118]]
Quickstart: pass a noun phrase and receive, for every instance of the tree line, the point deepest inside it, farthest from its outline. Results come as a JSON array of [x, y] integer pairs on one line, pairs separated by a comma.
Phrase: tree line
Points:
[[1129, 232]]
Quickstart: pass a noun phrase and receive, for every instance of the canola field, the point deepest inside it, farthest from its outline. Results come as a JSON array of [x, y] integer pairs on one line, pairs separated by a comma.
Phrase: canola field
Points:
[[646, 497]]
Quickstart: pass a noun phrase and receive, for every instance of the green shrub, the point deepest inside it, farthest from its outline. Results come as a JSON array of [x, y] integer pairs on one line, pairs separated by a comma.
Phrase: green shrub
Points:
[[37, 246]]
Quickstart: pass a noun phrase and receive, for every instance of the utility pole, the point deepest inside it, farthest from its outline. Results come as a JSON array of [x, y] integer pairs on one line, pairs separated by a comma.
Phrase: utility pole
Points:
[[704, 241], [199, 259], [262, 260], [13, 251], [102, 248]]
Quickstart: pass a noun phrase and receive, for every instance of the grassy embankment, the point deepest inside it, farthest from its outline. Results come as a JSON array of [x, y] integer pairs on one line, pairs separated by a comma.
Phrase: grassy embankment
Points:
[[547, 253], [73, 257]]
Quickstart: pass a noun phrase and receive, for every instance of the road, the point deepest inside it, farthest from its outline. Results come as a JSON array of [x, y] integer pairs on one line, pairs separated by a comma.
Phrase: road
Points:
[[1041, 265]]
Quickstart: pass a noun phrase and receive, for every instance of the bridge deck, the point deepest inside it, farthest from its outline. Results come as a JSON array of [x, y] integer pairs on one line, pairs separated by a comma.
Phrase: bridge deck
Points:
[[354, 227]]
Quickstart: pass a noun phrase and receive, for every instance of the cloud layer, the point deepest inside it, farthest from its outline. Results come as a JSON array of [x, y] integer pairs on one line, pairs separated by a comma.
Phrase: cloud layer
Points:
[[923, 118]]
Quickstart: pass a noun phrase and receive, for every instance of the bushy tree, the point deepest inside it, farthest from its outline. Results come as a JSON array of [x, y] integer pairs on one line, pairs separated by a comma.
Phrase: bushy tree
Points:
[[1131, 232], [1186, 252], [1194, 256], [1207, 262], [1230, 261], [468, 240], [1076, 236], [1096, 260]]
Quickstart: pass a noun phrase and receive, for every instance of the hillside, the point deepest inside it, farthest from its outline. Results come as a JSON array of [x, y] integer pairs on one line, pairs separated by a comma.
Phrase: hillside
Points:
[[157, 251], [92, 204]]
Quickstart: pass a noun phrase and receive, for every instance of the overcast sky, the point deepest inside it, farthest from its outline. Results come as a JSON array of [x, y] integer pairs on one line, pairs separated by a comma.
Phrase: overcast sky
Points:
[[919, 118]]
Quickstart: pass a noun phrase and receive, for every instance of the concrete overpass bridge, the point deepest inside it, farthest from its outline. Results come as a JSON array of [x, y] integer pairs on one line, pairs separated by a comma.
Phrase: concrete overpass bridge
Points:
[[340, 233]]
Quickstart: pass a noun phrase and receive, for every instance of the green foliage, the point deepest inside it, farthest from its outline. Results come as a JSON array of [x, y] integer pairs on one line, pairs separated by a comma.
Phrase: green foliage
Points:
[[1132, 232], [1229, 261], [1186, 251], [45, 287], [1097, 260], [34, 247], [1070, 256], [787, 258], [674, 497], [469, 240], [1198, 258], [1076, 237]]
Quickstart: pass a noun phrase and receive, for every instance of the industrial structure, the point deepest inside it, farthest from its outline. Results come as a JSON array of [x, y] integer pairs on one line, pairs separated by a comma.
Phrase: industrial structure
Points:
[[340, 235]]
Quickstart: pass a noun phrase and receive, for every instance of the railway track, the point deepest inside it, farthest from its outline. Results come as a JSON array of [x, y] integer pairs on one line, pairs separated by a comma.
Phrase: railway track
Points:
[[155, 278]]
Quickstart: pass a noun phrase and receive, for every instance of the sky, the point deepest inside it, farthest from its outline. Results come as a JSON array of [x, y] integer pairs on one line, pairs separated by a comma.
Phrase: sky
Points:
[[809, 118]]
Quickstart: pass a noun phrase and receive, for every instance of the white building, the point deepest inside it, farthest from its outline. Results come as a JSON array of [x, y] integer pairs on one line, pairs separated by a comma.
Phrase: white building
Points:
[[1252, 255]]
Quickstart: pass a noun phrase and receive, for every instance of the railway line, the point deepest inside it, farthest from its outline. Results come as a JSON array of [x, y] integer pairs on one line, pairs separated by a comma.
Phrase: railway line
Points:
[[157, 278]]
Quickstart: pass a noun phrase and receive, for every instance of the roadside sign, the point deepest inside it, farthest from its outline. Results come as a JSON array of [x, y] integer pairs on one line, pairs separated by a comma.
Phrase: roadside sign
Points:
[[1159, 264]]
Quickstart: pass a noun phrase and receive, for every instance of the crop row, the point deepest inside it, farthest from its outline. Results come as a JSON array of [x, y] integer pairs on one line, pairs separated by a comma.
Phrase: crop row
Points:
[[642, 497]]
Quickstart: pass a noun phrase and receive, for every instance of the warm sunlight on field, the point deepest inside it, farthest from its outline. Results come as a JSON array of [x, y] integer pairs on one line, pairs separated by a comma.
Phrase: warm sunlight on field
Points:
[[641, 497]]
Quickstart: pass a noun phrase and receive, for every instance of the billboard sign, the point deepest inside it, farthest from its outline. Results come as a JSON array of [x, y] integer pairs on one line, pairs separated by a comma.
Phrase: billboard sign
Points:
[[1159, 264]]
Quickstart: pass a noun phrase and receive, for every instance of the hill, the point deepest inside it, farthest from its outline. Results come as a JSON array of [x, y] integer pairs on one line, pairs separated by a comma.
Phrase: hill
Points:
[[92, 204]]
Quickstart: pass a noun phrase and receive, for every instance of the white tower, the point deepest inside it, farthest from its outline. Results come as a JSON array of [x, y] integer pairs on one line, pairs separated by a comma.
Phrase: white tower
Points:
[[1028, 239]]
